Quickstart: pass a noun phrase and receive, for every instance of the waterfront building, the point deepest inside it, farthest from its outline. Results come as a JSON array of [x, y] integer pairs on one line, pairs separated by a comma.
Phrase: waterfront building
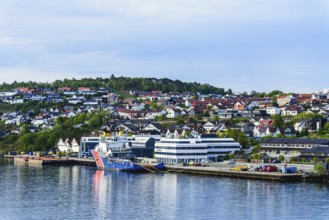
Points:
[[202, 148], [290, 147], [68, 146], [320, 152], [141, 145]]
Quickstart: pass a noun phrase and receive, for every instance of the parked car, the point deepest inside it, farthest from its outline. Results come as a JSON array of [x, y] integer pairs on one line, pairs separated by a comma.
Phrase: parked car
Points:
[[197, 164], [231, 162], [74, 155], [276, 161], [191, 163], [86, 154]]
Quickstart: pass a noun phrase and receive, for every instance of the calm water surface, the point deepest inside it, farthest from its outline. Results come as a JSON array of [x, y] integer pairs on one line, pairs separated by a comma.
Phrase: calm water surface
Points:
[[78, 192]]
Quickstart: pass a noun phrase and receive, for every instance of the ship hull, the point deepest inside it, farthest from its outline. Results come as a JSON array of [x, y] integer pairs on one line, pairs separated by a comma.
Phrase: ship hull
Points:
[[124, 165]]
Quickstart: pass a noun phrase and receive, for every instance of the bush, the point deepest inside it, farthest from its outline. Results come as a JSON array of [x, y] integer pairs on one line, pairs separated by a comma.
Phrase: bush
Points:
[[281, 157], [319, 168], [315, 160], [292, 160], [327, 160]]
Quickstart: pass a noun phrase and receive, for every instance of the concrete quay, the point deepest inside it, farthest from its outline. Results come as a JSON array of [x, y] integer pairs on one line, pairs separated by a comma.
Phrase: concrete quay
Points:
[[224, 172], [35, 160]]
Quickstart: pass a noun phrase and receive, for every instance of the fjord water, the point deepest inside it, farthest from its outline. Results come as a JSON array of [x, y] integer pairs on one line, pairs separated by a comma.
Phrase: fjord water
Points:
[[79, 192]]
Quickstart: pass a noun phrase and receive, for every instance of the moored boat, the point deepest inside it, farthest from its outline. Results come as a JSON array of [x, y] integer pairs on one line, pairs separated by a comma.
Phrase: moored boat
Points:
[[109, 163], [151, 164], [116, 155]]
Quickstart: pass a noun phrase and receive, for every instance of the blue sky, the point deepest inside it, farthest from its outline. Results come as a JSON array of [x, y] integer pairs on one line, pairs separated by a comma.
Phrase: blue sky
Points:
[[239, 44]]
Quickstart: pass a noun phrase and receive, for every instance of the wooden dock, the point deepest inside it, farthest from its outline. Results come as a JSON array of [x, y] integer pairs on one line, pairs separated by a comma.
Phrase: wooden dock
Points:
[[217, 171]]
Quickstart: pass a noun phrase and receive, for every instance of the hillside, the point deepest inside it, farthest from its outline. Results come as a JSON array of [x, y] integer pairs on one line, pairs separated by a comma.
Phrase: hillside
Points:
[[122, 83]]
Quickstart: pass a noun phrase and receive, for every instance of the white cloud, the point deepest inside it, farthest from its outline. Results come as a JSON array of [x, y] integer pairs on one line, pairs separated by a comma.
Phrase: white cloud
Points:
[[215, 41]]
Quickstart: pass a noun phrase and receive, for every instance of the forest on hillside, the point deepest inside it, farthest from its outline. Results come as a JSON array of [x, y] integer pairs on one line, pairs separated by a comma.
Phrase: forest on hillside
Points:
[[123, 83]]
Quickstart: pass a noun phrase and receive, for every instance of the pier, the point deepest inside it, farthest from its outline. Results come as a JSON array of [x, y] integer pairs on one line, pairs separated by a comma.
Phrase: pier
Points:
[[269, 176], [222, 170], [35, 160]]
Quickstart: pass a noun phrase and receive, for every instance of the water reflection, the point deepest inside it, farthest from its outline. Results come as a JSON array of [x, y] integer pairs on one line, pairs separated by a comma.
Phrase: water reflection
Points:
[[78, 192]]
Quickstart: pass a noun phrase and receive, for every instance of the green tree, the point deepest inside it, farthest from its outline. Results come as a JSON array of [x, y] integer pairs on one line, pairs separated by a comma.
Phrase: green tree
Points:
[[95, 121], [154, 105], [321, 132], [292, 160], [80, 119], [237, 135], [281, 157], [319, 168], [231, 155], [315, 160], [326, 126], [278, 121], [180, 121]]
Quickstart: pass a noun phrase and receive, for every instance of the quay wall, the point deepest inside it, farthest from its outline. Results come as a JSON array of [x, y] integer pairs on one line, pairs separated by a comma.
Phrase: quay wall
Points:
[[216, 171]]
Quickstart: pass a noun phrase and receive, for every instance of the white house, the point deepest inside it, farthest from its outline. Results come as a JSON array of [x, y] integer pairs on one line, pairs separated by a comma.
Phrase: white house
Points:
[[68, 146], [273, 111], [151, 114], [9, 93], [63, 146], [173, 113], [38, 122], [16, 101]]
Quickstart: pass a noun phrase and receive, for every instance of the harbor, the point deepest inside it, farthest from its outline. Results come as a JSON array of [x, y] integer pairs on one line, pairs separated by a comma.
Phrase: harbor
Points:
[[216, 169]]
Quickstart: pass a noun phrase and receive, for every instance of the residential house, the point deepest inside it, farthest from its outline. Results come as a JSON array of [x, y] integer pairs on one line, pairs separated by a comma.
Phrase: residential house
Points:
[[291, 110], [83, 89], [39, 121], [309, 125], [239, 106], [152, 128], [248, 130], [152, 114], [286, 100], [64, 89], [8, 93], [228, 113], [173, 112], [304, 99], [126, 128], [16, 101], [214, 126], [272, 131], [90, 103], [68, 146], [273, 111], [259, 131], [288, 131]]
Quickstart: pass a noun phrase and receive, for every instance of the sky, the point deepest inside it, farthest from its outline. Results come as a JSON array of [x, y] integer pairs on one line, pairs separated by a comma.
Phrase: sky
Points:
[[244, 45]]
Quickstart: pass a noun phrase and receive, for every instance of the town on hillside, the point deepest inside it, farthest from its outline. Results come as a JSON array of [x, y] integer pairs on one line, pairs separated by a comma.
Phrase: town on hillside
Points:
[[292, 126]]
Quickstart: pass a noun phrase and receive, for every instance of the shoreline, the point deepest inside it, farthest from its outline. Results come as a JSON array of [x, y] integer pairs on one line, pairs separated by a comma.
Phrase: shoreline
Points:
[[220, 170]]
